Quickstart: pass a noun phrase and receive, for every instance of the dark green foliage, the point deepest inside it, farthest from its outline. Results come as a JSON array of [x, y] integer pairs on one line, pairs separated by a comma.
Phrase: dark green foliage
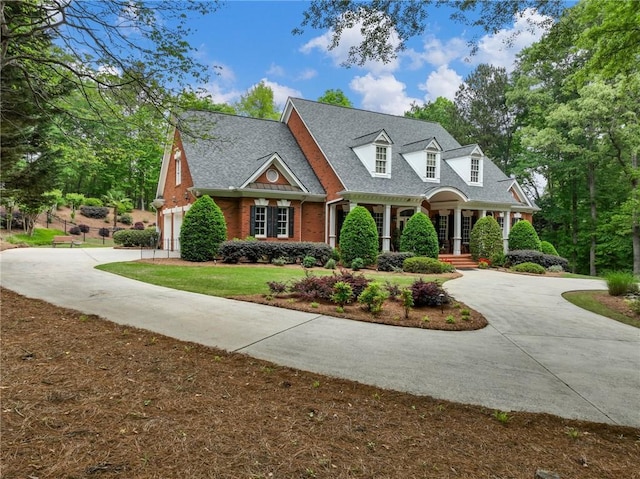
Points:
[[422, 264], [359, 237], [74, 230], [530, 256], [125, 219], [357, 264], [94, 211], [523, 236], [548, 248], [428, 294], [84, 228], [330, 264], [528, 268], [392, 261], [104, 232], [136, 238], [138, 226], [203, 230], [498, 259], [485, 239], [254, 251], [419, 236]]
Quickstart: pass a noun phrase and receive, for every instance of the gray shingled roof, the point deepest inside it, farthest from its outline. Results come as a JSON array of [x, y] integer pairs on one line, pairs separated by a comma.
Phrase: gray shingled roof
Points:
[[335, 129], [234, 148]]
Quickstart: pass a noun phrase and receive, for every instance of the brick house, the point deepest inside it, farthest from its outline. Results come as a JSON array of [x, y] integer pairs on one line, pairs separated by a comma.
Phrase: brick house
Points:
[[296, 179]]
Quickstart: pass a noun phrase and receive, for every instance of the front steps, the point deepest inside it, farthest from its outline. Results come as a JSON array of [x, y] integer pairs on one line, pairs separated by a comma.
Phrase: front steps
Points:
[[462, 261]]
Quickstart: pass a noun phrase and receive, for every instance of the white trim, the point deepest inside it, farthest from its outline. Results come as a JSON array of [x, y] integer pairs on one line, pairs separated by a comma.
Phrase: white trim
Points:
[[168, 148], [447, 189], [283, 203], [261, 202], [276, 162]]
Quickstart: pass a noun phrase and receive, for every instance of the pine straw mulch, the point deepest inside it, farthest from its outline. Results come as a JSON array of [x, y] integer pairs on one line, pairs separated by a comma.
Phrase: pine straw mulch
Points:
[[86, 398]]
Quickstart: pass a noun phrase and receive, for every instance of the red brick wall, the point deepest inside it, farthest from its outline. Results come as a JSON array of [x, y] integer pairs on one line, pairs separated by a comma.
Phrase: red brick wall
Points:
[[171, 190], [280, 181], [318, 162]]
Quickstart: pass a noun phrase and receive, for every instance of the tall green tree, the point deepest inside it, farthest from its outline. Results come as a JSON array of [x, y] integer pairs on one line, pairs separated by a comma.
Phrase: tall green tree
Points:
[[203, 230], [335, 97], [419, 236], [258, 103], [445, 112], [359, 237]]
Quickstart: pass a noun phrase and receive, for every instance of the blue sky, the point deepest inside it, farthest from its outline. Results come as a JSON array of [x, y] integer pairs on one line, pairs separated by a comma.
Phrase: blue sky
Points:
[[251, 41]]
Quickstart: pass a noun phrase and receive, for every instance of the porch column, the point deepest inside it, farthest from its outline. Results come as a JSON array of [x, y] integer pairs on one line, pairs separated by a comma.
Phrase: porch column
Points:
[[483, 213], [457, 230], [352, 205], [386, 228], [506, 228], [332, 225]]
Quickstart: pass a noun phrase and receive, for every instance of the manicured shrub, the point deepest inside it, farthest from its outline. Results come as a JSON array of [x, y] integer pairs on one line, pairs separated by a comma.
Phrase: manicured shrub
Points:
[[523, 236], [548, 248], [125, 219], [392, 261], [104, 232], [92, 202], [428, 293], [94, 211], [75, 230], [620, 283], [359, 237], [424, 265], [530, 256], [139, 225], [485, 239], [136, 238], [357, 264], [308, 261], [419, 236], [373, 297], [330, 264], [84, 228], [254, 251], [528, 268], [342, 293], [203, 230]]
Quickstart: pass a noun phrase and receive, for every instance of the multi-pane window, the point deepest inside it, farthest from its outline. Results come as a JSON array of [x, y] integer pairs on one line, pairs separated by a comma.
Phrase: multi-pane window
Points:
[[260, 221], [475, 169], [466, 228], [378, 218], [282, 226], [431, 165], [443, 229], [381, 160], [500, 221]]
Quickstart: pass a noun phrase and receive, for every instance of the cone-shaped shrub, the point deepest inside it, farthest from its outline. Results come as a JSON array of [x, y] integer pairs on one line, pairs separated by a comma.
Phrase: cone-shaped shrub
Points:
[[359, 237], [548, 248], [523, 236], [485, 239], [419, 236], [203, 230]]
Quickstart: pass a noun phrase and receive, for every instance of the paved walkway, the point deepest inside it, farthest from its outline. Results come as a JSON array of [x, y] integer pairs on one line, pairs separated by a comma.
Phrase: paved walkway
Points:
[[539, 353]]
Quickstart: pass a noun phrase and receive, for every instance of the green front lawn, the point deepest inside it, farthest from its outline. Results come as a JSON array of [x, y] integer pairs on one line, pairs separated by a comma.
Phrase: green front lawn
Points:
[[232, 280]]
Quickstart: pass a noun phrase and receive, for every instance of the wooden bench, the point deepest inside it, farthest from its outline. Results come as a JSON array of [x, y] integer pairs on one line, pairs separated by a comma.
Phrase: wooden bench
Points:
[[70, 240]]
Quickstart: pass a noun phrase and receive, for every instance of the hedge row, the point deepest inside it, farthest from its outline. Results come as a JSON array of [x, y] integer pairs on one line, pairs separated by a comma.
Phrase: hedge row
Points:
[[141, 238], [254, 251], [392, 261], [530, 256]]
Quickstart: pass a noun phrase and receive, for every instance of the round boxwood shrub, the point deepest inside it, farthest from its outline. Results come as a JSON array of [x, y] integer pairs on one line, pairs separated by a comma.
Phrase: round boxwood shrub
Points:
[[485, 239], [359, 237], [424, 265], [523, 236], [104, 232], [203, 230], [419, 236], [528, 268], [548, 248]]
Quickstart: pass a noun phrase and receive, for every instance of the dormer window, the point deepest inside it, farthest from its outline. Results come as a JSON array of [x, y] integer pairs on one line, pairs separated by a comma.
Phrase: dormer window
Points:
[[475, 169], [432, 164], [381, 160], [374, 151]]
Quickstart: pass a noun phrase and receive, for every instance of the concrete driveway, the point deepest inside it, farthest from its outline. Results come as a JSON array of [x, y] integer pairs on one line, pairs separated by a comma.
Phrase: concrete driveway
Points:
[[539, 353]]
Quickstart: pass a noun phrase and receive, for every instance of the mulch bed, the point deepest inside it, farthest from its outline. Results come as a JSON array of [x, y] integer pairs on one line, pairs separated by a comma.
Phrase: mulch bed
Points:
[[86, 398]]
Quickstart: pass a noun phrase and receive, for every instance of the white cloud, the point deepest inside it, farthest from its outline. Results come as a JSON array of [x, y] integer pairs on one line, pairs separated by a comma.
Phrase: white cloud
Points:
[[496, 49], [224, 73], [442, 82], [383, 93], [307, 74], [281, 92], [436, 52], [276, 70], [350, 37], [222, 95]]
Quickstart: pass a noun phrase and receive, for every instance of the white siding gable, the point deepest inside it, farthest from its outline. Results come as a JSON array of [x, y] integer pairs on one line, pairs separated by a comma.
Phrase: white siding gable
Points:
[[462, 166], [418, 161], [370, 156]]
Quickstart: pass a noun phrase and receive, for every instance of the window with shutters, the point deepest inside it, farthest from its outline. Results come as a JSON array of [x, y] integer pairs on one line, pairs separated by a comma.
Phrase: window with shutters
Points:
[[260, 222], [271, 221], [283, 222]]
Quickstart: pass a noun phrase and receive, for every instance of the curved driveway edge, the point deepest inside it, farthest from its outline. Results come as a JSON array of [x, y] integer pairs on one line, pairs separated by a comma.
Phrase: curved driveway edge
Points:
[[539, 352]]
